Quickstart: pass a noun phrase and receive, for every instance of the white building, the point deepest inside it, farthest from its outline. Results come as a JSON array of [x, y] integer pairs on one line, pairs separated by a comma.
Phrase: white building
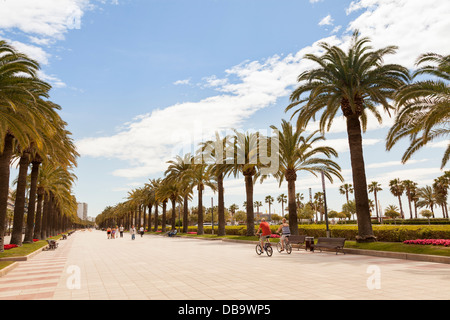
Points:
[[82, 210]]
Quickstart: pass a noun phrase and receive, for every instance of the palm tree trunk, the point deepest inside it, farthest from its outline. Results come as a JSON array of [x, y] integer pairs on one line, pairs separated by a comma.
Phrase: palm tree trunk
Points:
[[292, 207], [174, 215], [38, 220], [149, 225], [45, 213], [365, 232], [250, 213], [32, 203], [185, 213], [156, 217], [221, 205], [200, 210], [5, 158], [163, 220], [409, 202], [401, 207], [376, 204], [19, 205]]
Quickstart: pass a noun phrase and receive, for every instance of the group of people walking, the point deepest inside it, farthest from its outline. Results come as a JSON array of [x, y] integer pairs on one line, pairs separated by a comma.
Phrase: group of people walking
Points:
[[113, 233]]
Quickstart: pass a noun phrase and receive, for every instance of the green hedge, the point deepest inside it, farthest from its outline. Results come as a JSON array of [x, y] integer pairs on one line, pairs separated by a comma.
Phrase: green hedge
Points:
[[386, 233]]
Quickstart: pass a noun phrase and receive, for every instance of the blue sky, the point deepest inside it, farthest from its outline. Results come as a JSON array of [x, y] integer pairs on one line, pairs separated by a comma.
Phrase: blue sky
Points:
[[137, 78]]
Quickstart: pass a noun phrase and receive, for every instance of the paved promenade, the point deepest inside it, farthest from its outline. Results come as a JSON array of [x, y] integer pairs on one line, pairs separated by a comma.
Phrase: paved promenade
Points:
[[88, 266]]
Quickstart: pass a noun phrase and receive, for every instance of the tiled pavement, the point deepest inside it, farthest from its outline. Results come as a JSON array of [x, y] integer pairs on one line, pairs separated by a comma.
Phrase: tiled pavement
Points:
[[89, 266]]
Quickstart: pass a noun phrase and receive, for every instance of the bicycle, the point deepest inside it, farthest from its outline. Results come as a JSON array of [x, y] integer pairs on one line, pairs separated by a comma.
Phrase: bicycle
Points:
[[287, 246], [267, 248]]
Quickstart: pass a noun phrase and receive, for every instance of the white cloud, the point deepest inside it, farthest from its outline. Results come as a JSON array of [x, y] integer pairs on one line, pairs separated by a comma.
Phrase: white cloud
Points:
[[182, 82], [415, 26], [326, 21]]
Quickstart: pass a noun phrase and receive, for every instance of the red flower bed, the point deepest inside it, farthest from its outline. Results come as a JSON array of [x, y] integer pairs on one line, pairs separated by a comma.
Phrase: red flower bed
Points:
[[434, 242], [192, 233], [274, 235], [9, 246], [34, 240]]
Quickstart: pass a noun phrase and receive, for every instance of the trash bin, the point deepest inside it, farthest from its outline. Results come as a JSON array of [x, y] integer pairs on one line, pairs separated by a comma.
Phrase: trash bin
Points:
[[309, 243]]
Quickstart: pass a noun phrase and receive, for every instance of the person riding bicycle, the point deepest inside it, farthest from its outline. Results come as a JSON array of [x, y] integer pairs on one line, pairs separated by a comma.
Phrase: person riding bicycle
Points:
[[285, 232], [264, 226]]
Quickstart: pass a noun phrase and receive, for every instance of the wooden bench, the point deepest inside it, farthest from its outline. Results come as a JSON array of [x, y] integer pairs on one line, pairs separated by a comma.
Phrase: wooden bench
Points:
[[330, 243], [52, 244], [298, 240]]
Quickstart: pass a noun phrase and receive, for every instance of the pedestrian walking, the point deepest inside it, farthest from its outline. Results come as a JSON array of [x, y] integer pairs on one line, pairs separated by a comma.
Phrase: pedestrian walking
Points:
[[133, 232], [141, 231], [108, 233], [121, 231]]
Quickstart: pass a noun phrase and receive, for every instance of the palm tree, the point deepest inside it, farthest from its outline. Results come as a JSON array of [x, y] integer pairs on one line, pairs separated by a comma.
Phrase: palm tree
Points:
[[269, 200], [375, 187], [300, 153], [397, 188], [427, 198], [246, 161], [282, 198], [201, 177], [424, 107], [353, 82], [346, 188], [410, 187], [233, 208], [214, 153], [179, 171], [156, 184], [257, 204], [440, 187], [22, 111]]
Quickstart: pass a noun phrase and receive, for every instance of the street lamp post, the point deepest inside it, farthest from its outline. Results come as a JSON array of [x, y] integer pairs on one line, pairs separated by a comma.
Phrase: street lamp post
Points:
[[325, 205]]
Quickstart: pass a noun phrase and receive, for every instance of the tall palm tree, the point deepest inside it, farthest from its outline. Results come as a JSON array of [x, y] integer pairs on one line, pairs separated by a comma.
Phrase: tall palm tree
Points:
[[269, 200], [440, 187], [282, 198], [427, 198], [424, 107], [346, 188], [301, 153], [21, 113], [201, 177], [246, 161], [410, 187], [375, 187], [397, 188], [214, 154], [179, 170], [155, 184], [353, 82]]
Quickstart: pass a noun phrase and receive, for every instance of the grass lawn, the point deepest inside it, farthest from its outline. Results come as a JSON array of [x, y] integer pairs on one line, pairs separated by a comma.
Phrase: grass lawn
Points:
[[400, 247], [25, 249]]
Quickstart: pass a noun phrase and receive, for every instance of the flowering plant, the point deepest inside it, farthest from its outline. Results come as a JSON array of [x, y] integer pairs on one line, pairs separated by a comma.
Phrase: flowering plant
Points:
[[434, 242], [274, 235], [9, 246]]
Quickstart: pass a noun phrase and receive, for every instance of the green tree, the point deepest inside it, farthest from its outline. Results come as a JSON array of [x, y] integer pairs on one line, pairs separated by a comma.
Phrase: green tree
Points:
[[424, 107], [375, 187], [299, 153], [353, 82], [397, 188]]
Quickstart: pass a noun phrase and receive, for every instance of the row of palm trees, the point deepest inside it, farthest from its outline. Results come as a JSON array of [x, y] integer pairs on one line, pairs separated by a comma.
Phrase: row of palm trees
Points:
[[33, 134], [353, 82]]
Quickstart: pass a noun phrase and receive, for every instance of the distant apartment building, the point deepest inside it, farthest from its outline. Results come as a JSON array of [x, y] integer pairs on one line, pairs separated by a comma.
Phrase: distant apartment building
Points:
[[82, 210]]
